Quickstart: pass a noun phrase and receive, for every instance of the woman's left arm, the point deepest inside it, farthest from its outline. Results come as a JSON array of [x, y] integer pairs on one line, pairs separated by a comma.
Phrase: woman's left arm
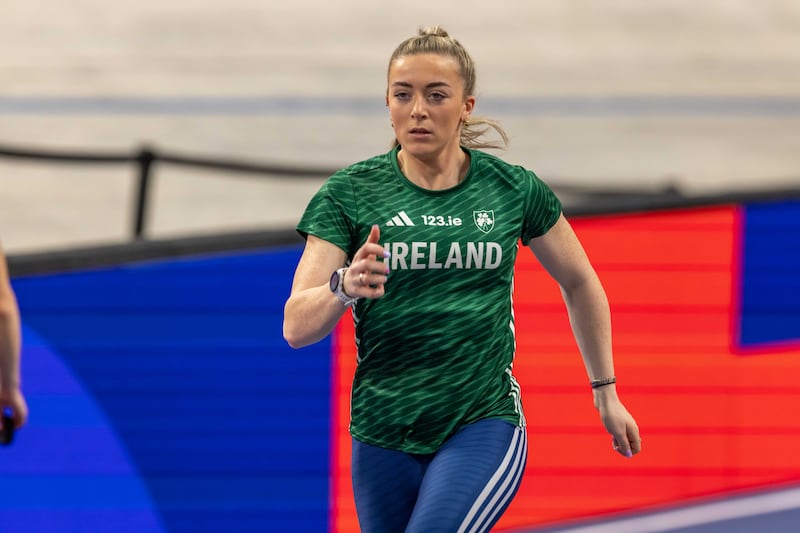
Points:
[[11, 396], [562, 255]]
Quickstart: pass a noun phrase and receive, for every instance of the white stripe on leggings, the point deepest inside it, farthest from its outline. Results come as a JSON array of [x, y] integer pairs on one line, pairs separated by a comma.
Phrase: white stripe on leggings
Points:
[[509, 471], [507, 490]]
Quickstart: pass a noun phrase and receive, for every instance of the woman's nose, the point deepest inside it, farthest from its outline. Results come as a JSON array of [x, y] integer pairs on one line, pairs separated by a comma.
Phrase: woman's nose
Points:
[[418, 108]]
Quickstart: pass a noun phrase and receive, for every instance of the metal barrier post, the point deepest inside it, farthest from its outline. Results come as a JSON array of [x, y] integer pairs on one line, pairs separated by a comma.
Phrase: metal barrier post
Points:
[[145, 158]]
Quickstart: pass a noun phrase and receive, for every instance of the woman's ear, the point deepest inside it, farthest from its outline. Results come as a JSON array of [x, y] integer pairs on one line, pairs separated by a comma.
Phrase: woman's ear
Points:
[[469, 105]]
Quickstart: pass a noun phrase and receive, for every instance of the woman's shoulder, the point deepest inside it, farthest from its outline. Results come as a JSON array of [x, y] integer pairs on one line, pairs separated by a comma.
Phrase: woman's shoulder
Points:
[[379, 163], [368, 172], [486, 163]]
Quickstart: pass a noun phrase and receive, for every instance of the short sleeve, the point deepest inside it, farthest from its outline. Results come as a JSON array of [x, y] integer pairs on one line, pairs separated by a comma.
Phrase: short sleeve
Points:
[[331, 214], [542, 209]]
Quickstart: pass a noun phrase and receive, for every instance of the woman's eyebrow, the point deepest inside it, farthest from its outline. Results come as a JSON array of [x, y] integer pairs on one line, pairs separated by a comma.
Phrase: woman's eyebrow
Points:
[[428, 86]]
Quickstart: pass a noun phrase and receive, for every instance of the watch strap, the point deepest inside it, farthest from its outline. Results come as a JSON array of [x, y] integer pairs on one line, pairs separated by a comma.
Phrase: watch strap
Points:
[[339, 290]]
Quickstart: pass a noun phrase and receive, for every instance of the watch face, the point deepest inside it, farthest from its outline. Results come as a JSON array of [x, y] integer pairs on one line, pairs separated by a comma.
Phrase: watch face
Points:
[[334, 281]]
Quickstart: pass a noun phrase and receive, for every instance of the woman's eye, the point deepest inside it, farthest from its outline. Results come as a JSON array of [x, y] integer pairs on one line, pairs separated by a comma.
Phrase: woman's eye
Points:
[[401, 96], [437, 97]]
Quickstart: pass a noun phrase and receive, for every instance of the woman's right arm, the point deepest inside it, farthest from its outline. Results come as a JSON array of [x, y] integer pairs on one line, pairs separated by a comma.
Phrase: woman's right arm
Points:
[[312, 310]]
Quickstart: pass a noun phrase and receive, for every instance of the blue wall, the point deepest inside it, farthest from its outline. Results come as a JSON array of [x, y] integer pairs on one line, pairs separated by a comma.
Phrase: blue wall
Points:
[[771, 273], [163, 398]]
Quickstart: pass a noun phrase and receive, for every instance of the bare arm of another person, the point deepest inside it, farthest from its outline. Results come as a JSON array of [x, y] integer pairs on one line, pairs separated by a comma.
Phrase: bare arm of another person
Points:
[[10, 345], [561, 254], [312, 310]]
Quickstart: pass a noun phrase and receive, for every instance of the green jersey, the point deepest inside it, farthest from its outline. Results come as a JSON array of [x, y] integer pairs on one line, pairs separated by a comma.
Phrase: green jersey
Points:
[[435, 352]]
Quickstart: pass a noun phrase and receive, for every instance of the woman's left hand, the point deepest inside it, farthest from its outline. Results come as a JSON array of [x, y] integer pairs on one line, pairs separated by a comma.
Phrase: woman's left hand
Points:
[[619, 423]]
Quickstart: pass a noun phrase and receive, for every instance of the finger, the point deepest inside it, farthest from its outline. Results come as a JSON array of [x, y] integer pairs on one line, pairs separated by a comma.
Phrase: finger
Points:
[[621, 446], [371, 249], [368, 285], [374, 234], [636, 446], [20, 415], [635, 440], [375, 278], [372, 240]]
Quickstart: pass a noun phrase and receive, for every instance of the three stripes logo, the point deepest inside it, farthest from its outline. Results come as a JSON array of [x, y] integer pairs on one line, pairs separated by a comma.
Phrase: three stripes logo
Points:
[[400, 219]]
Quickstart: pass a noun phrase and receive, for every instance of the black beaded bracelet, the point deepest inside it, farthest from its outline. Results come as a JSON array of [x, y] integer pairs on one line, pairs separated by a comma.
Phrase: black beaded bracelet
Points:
[[597, 383]]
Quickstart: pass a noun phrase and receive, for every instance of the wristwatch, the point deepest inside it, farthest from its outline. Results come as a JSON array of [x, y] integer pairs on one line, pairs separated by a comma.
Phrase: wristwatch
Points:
[[337, 287]]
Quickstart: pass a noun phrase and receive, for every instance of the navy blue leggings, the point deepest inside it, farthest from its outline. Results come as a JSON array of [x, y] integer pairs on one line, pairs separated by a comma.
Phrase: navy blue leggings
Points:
[[465, 486]]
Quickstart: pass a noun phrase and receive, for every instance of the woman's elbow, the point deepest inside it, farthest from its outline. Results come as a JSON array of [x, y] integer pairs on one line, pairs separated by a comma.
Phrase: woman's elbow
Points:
[[297, 334], [301, 329], [8, 308], [589, 287], [293, 332], [295, 343], [292, 335]]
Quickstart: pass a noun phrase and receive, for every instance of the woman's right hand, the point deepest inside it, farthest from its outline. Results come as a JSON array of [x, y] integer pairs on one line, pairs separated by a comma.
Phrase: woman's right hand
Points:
[[367, 273]]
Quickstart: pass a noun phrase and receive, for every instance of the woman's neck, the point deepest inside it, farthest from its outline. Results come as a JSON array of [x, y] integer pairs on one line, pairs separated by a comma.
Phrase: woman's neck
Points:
[[436, 174]]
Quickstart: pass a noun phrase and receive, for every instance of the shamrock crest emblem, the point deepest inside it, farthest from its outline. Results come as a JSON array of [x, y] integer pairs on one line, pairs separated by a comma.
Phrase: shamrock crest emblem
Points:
[[484, 220]]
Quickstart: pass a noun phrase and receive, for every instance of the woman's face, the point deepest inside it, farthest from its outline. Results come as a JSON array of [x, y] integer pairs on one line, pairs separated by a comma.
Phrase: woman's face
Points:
[[427, 103]]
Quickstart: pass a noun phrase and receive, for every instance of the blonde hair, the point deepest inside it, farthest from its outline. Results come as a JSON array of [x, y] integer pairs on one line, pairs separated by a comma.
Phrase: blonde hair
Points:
[[435, 40]]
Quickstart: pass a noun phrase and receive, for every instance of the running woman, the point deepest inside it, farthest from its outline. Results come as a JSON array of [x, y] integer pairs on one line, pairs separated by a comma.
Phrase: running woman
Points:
[[419, 244]]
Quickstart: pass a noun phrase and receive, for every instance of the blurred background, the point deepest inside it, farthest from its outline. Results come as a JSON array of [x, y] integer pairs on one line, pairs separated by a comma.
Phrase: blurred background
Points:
[[699, 97], [163, 397]]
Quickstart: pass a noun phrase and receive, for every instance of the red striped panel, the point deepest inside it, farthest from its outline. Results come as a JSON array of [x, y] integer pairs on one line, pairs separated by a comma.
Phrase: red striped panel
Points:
[[712, 421]]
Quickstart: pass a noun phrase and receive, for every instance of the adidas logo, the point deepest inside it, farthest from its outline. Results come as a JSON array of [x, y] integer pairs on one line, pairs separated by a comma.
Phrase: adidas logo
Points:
[[400, 219]]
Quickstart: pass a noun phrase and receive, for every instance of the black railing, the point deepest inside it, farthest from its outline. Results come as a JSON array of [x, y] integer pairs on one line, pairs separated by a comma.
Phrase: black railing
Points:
[[577, 199], [146, 157]]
